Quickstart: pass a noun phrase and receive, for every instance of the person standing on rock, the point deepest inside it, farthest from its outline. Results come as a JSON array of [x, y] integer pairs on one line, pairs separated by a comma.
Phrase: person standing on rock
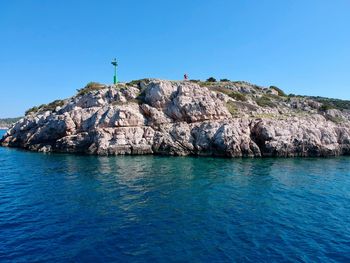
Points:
[[185, 76]]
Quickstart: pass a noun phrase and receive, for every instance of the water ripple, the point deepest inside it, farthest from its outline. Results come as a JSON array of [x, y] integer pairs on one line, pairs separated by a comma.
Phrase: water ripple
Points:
[[147, 208]]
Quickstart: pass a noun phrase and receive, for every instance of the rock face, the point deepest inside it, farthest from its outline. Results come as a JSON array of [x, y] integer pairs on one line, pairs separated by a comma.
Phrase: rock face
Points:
[[183, 118]]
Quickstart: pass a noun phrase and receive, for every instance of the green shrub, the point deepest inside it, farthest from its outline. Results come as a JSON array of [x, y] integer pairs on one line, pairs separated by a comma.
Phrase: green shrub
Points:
[[237, 96], [224, 80], [265, 101], [31, 110], [91, 86], [336, 120], [137, 82], [45, 107], [205, 84], [280, 92], [52, 106], [134, 83], [326, 106], [195, 80], [120, 86], [330, 103], [221, 89], [233, 94], [211, 79], [231, 107]]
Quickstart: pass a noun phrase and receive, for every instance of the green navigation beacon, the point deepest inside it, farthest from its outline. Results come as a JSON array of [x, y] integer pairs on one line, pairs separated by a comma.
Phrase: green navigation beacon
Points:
[[115, 64]]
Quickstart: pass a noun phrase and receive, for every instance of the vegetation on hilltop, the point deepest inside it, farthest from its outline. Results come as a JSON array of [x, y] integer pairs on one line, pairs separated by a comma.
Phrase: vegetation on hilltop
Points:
[[45, 107], [137, 82], [91, 86], [329, 103], [279, 91], [231, 107], [265, 101], [233, 94], [211, 79]]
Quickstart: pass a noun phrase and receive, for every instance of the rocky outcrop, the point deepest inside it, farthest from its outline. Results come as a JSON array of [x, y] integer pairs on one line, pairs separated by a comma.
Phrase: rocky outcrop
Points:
[[183, 118]]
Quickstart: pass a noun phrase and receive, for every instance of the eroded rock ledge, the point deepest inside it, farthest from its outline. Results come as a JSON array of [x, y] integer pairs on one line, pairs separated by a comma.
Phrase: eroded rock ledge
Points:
[[183, 118]]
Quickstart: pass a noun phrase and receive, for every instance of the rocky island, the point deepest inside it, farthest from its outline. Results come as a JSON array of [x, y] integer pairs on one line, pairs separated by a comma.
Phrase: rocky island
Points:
[[151, 116]]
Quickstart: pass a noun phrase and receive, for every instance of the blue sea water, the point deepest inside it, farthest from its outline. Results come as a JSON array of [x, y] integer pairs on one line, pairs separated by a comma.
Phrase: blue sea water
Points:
[[68, 208]]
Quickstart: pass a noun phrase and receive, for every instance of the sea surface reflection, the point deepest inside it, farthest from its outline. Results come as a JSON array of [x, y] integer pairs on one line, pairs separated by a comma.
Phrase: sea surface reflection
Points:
[[58, 207]]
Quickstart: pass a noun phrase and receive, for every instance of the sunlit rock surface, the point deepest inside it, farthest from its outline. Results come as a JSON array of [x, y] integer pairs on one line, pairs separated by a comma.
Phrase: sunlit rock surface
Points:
[[183, 118]]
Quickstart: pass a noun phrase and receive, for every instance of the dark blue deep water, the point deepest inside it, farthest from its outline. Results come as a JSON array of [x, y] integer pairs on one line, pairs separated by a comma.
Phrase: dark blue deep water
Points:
[[66, 208]]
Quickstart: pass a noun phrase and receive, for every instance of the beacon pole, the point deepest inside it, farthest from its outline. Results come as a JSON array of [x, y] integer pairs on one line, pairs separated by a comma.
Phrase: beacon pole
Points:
[[115, 64]]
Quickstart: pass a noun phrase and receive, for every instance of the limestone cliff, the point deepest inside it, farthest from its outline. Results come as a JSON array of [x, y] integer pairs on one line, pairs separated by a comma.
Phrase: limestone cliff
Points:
[[152, 116]]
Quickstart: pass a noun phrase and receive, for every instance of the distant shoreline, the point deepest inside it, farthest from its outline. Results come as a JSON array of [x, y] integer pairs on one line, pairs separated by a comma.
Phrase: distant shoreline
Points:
[[7, 123]]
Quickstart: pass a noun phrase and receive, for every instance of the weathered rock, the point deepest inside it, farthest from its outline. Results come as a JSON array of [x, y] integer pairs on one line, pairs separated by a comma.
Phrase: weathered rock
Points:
[[182, 118]]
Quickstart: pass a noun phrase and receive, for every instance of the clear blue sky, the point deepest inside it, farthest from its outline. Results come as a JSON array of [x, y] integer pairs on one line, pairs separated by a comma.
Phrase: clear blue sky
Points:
[[48, 49]]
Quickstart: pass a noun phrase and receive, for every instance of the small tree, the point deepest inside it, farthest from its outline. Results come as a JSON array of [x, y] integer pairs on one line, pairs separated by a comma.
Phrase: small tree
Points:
[[224, 80], [326, 106], [31, 110], [211, 79], [279, 91], [91, 86]]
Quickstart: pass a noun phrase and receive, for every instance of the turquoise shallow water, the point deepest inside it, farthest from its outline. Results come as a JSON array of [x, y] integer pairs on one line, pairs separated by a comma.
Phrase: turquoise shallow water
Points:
[[70, 208]]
